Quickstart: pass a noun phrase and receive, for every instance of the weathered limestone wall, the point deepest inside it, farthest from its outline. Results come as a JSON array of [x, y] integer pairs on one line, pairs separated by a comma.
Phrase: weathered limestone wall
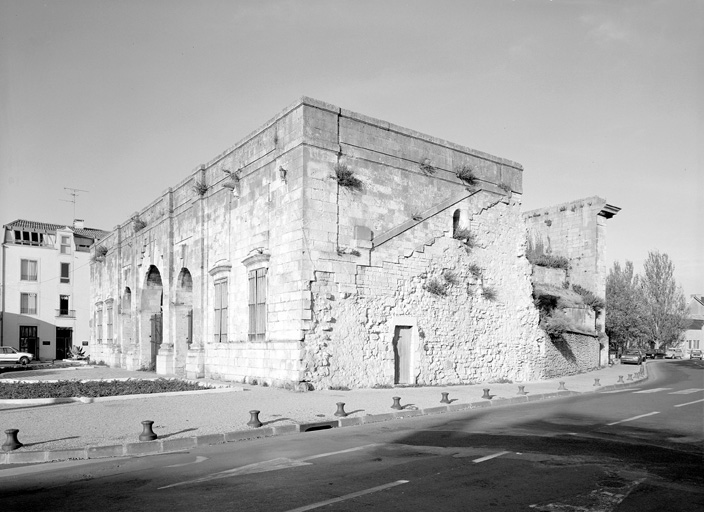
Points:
[[573, 353]]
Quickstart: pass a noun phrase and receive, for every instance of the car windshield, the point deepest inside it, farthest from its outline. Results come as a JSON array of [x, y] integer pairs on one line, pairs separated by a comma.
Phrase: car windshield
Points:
[[632, 353]]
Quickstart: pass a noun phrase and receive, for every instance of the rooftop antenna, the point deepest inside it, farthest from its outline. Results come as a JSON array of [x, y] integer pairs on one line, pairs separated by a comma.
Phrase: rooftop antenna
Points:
[[73, 192]]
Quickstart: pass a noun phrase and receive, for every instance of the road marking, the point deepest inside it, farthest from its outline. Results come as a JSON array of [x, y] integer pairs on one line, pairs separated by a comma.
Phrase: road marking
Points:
[[686, 391], [337, 453], [619, 391], [690, 403], [633, 418], [41, 468], [654, 390], [198, 460], [257, 467], [482, 459], [348, 496]]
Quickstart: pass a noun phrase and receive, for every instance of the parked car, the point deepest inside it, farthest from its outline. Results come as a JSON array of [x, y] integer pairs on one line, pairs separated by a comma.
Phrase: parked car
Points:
[[13, 356], [674, 353], [654, 353], [695, 354], [632, 357]]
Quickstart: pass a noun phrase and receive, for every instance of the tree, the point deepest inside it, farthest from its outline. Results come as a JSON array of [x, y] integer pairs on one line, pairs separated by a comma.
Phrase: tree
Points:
[[624, 308], [663, 301]]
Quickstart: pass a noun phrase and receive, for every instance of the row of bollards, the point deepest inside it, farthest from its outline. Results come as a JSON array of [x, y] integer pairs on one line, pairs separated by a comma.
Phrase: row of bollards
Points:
[[12, 443]]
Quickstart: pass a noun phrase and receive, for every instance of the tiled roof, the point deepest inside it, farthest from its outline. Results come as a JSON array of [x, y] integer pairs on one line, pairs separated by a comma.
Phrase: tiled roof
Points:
[[46, 227]]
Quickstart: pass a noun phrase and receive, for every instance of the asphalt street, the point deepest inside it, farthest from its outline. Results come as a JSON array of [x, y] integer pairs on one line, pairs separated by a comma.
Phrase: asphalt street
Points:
[[636, 448]]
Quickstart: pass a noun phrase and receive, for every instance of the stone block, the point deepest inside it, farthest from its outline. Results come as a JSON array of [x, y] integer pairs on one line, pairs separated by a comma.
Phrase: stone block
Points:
[[210, 439], [74, 454], [20, 457], [143, 448], [177, 444], [95, 452]]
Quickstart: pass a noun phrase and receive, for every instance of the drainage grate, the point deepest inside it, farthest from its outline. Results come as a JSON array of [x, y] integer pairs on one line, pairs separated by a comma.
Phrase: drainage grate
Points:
[[323, 425]]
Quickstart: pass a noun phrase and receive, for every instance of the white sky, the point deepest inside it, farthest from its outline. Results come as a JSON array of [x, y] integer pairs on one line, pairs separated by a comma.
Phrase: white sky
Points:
[[125, 98]]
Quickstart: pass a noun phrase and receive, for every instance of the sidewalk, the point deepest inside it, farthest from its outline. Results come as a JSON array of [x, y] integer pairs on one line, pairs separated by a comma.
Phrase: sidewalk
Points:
[[110, 426]]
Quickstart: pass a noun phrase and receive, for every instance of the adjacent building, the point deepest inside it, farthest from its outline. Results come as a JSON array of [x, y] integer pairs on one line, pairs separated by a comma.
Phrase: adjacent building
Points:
[[325, 249], [694, 333], [45, 287]]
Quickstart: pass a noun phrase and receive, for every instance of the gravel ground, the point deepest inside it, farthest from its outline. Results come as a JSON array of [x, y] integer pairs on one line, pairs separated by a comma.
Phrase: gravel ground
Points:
[[118, 420]]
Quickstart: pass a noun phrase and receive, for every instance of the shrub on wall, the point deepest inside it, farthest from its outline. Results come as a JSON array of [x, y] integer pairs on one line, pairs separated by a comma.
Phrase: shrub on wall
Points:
[[466, 174], [200, 187], [465, 236], [346, 178], [537, 255], [435, 287], [589, 298]]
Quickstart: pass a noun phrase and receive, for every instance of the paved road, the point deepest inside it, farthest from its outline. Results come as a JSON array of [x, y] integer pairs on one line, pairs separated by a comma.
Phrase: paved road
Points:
[[639, 448]]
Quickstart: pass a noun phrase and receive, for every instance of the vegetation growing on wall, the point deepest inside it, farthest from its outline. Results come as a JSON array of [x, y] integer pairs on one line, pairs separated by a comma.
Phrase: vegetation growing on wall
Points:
[[426, 166], [466, 174], [465, 236], [345, 177], [200, 187], [138, 224], [591, 300], [537, 255], [436, 287]]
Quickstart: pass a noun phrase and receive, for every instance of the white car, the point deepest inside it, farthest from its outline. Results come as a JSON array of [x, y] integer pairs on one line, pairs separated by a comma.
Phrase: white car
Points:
[[13, 356]]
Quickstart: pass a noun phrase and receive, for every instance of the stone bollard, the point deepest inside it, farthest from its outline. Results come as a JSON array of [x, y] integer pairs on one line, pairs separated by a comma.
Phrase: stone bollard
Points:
[[620, 379], [521, 390], [11, 443], [596, 382], [562, 386], [147, 432], [397, 403], [486, 394], [341, 410], [445, 399], [630, 376], [254, 419]]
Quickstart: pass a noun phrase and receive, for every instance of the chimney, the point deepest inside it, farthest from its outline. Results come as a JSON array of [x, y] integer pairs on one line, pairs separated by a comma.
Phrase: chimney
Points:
[[78, 224]]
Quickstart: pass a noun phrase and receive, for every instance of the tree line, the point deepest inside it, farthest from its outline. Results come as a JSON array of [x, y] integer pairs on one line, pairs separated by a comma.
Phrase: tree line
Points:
[[645, 311]]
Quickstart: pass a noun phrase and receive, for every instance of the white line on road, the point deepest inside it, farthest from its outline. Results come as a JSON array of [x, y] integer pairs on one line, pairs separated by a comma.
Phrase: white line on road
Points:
[[198, 460], [348, 496], [633, 418], [41, 468], [690, 403], [654, 390], [482, 459], [257, 467], [686, 391], [620, 391], [357, 448]]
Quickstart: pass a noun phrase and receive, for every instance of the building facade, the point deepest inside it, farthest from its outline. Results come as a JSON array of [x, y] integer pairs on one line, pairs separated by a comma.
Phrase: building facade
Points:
[[693, 338], [45, 287], [326, 249]]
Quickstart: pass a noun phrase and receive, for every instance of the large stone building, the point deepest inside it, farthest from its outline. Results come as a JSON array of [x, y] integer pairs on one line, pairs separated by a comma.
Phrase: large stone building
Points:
[[325, 249], [45, 287]]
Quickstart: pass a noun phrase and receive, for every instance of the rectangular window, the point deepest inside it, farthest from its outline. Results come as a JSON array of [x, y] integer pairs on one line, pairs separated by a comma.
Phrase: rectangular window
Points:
[[65, 272], [99, 325], [28, 270], [28, 303], [109, 323], [63, 305], [220, 311], [257, 304], [65, 245]]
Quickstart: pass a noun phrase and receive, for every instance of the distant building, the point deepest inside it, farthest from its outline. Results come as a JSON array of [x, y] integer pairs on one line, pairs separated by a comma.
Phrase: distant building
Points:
[[45, 287], [694, 335]]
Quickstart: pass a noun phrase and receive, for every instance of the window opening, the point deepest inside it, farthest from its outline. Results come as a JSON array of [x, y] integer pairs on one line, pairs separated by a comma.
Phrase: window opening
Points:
[[257, 304], [65, 272], [220, 311], [28, 270], [28, 303]]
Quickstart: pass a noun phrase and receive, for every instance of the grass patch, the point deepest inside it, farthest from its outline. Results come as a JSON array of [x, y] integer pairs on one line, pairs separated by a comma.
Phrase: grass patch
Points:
[[435, 287], [466, 174], [75, 388]]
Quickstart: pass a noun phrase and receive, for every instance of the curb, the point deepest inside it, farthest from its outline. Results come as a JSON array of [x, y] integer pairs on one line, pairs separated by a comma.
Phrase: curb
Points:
[[159, 446]]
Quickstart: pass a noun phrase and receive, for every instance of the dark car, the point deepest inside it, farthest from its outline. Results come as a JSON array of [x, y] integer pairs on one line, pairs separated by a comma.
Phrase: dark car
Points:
[[695, 354], [654, 353], [632, 357]]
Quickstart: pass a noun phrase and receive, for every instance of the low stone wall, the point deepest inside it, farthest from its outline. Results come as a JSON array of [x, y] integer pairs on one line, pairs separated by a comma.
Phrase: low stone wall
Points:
[[573, 353]]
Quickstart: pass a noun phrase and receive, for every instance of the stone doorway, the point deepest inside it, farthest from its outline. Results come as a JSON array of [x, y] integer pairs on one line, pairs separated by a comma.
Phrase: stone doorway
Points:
[[402, 345]]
